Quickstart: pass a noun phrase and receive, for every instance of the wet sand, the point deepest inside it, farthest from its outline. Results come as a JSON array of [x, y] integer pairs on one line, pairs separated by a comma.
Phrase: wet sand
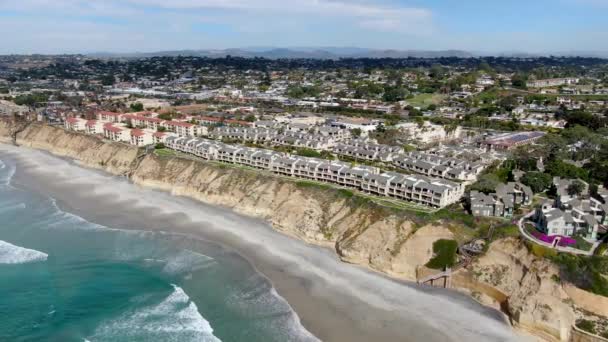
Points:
[[335, 301]]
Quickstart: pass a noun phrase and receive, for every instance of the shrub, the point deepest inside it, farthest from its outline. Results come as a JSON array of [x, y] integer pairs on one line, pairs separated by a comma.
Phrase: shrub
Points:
[[542, 251], [445, 254], [586, 325], [159, 146], [345, 193]]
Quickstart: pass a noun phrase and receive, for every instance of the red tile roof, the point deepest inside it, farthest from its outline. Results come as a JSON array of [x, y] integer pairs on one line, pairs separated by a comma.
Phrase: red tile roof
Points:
[[91, 123], [109, 113], [179, 123], [143, 118], [159, 134], [137, 133], [145, 113], [113, 129], [72, 120]]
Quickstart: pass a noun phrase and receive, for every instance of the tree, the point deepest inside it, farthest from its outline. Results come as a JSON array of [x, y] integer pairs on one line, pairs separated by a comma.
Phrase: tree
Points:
[[166, 116], [519, 81], [562, 169], [108, 80], [394, 94], [537, 181], [136, 107], [509, 103], [356, 132], [575, 188], [486, 183], [250, 118]]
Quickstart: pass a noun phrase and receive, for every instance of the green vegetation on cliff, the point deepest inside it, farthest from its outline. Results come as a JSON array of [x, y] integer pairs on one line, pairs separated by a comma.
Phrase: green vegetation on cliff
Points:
[[445, 254]]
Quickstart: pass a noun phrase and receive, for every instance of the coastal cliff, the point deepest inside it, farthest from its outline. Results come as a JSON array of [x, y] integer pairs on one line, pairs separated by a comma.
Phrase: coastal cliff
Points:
[[394, 242]]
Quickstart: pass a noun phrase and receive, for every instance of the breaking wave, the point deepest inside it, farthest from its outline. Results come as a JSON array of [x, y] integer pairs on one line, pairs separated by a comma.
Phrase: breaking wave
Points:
[[176, 318], [11, 254]]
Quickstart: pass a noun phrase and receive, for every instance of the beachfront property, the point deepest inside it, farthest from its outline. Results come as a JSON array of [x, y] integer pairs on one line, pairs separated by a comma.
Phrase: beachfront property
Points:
[[93, 127], [115, 133], [573, 213], [501, 203], [141, 138], [75, 124], [422, 190], [510, 141]]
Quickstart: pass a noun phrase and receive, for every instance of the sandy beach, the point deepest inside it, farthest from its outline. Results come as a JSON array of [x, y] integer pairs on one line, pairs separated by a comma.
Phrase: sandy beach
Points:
[[335, 301]]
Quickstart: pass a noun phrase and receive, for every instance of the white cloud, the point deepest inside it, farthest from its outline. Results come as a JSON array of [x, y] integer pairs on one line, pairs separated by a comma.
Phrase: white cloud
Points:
[[410, 20]]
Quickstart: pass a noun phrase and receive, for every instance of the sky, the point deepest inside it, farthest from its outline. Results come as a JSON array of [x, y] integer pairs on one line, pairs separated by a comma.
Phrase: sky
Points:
[[488, 26]]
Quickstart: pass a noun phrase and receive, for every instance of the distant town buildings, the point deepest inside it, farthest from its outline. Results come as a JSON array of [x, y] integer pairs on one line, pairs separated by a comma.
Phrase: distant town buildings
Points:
[[553, 82]]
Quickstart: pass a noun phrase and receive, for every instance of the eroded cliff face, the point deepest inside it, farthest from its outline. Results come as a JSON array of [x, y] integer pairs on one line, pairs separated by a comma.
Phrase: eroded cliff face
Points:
[[89, 150], [360, 232], [537, 300]]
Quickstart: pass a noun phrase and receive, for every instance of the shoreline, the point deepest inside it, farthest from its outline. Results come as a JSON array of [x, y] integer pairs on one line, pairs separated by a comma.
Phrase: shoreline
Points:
[[295, 285]]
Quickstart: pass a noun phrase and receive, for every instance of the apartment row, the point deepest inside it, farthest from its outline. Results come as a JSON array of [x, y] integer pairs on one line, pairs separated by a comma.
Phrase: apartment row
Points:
[[438, 166], [319, 138], [367, 150], [116, 131], [574, 211], [502, 203], [181, 128], [417, 189]]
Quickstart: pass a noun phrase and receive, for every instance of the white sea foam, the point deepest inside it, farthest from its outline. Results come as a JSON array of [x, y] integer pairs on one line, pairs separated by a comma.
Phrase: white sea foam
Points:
[[12, 207], [7, 175], [187, 261], [11, 254], [176, 318], [417, 310], [256, 298]]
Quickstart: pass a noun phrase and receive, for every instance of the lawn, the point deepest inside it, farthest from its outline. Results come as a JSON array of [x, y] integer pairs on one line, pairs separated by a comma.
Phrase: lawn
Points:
[[165, 152], [424, 100]]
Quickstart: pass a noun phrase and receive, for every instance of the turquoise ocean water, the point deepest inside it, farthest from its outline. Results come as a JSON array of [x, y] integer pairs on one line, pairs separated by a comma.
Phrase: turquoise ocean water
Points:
[[65, 279]]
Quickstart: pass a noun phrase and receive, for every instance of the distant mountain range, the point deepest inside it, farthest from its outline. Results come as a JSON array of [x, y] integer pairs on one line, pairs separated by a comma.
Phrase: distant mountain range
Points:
[[337, 52], [276, 53]]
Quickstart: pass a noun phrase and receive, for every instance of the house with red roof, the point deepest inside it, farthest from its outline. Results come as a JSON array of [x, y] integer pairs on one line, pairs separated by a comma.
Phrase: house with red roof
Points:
[[161, 137], [146, 122], [109, 116], [93, 127], [183, 129], [114, 133], [141, 138], [75, 124]]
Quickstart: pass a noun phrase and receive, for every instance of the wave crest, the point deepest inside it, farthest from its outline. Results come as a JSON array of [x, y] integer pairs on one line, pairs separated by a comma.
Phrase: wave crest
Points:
[[11, 254], [176, 318]]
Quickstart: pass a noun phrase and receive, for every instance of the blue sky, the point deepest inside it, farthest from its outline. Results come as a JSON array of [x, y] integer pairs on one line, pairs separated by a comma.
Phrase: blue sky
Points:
[[56, 26]]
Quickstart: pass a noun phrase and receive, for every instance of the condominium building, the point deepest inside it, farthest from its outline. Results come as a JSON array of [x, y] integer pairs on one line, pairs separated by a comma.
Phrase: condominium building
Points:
[[418, 189], [75, 124]]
